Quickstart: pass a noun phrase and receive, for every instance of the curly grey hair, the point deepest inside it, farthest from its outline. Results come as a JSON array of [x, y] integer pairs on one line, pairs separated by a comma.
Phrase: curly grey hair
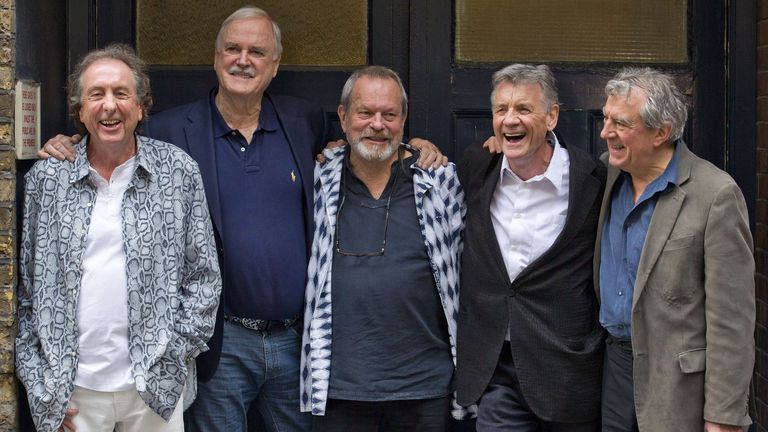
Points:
[[664, 104]]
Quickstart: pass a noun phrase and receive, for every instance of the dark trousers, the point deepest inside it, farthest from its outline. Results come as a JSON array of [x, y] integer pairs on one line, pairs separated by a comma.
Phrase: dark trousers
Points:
[[618, 395], [427, 415], [503, 406]]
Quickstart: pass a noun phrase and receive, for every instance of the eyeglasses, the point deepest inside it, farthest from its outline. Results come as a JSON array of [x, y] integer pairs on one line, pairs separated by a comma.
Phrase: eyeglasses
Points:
[[337, 242]]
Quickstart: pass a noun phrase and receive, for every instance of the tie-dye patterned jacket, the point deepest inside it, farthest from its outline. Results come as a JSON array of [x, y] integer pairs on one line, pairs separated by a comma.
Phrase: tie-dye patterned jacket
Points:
[[440, 209], [173, 276]]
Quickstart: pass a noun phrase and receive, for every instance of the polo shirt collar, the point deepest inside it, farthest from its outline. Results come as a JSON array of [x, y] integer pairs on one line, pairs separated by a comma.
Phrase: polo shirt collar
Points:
[[267, 119]]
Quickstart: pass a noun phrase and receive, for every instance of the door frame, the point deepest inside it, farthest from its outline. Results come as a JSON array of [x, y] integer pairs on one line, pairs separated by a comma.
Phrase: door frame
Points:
[[414, 38]]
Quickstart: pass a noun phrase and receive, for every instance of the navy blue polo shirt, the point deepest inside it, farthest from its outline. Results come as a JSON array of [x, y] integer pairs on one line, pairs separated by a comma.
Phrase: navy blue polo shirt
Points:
[[263, 229], [624, 233]]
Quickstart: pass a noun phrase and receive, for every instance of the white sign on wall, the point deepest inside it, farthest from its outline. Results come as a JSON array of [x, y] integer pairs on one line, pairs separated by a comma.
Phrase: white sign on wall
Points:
[[27, 119]]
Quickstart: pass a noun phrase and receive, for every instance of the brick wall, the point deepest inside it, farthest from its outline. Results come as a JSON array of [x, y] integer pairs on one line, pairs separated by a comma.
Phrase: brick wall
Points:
[[761, 228], [8, 418]]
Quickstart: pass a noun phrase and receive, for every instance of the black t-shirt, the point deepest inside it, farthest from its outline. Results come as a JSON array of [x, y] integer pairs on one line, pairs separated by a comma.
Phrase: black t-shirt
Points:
[[390, 337]]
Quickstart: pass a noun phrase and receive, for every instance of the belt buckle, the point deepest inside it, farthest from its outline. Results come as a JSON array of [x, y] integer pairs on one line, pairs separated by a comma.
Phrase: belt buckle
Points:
[[254, 324]]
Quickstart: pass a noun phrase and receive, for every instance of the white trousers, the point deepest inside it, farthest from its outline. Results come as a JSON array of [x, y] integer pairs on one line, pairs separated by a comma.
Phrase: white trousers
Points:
[[122, 411]]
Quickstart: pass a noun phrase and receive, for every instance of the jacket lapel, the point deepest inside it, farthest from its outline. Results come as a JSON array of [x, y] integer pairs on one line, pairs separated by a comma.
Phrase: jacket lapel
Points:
[[583, 188], [198, 132], [491, 178], [663, 220]]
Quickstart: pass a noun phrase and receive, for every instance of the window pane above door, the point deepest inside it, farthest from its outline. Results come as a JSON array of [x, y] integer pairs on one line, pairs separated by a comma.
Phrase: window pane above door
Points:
[[331, 33], [635, 31]]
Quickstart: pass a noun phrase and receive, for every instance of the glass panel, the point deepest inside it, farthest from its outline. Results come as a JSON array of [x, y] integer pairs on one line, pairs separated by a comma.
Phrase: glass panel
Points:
[[638, 31], [315, 33]]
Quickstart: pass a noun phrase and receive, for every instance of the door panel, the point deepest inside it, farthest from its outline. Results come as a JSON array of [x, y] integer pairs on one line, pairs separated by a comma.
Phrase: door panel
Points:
[[451, 100]]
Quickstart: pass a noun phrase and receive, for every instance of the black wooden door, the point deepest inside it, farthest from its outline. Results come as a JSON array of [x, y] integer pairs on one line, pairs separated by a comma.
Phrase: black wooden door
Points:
[[114, 20], [451, 102]]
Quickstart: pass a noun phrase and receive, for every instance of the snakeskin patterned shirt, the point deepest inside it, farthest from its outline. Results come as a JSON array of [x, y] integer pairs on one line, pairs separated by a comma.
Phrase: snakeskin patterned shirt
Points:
[[173, 276]]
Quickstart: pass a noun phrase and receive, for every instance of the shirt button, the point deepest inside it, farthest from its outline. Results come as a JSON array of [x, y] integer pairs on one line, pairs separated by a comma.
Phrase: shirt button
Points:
[[242, 149], [620, 326], [233, 133], [621, 292]]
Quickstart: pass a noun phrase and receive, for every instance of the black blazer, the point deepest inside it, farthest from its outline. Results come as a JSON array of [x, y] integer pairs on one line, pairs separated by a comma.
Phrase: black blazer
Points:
[[550, 310], [189, 127]]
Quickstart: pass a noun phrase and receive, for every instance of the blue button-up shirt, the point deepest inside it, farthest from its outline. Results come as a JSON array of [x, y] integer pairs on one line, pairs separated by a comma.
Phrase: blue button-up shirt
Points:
[[624, 231]]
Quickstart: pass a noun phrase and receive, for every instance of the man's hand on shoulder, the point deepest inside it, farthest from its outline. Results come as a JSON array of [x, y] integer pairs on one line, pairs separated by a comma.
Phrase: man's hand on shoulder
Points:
[[429, 154], [60, 147], [717, 427], [492, 144], [331, 145]]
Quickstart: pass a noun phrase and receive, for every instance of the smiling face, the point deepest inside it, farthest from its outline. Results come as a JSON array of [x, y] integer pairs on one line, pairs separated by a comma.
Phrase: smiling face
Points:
[[520, 124], [245, 61], [110, 110], [374, 123], [632, 146]]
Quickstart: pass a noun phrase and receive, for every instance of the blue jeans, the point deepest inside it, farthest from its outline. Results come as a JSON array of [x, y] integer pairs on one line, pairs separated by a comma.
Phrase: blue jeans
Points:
[[260, 368]]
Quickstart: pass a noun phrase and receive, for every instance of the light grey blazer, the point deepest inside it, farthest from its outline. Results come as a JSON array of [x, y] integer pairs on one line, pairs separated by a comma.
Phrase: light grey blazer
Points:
[[693, 309]]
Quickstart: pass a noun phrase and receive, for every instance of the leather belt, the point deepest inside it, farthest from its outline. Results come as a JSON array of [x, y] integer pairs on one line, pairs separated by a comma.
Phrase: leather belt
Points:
[[622, 343], [262, 325]]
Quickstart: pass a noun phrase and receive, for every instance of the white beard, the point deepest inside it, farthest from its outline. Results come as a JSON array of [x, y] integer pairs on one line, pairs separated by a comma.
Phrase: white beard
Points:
[[373, 154]]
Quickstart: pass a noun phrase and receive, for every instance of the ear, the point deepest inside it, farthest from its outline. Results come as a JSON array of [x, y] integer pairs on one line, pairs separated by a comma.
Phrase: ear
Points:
[[277, 66], [342, 117], [662, 135], [552, 115]]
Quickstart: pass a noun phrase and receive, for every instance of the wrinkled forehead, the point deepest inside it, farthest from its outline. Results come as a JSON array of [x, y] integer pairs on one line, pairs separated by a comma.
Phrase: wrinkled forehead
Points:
[[108, 71], [628, 99], [512, 91], [374, 90], [248, 31]]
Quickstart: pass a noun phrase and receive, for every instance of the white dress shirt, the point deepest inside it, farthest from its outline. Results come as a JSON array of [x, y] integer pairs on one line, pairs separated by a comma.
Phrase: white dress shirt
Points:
[[102, 310], [528, 215]]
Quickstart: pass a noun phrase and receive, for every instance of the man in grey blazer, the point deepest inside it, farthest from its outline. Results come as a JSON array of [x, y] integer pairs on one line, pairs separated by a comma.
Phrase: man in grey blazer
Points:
[[673, 269]]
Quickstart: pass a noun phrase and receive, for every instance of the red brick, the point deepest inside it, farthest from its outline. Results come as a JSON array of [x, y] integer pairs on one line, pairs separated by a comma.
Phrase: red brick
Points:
[[761, 154], [762, 134], [762, 58], [761, 231], [761, 291], [762, 108], [761, 215], [762, 83], [762, 9], [762, 33], [762, 341], [762, 186]]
